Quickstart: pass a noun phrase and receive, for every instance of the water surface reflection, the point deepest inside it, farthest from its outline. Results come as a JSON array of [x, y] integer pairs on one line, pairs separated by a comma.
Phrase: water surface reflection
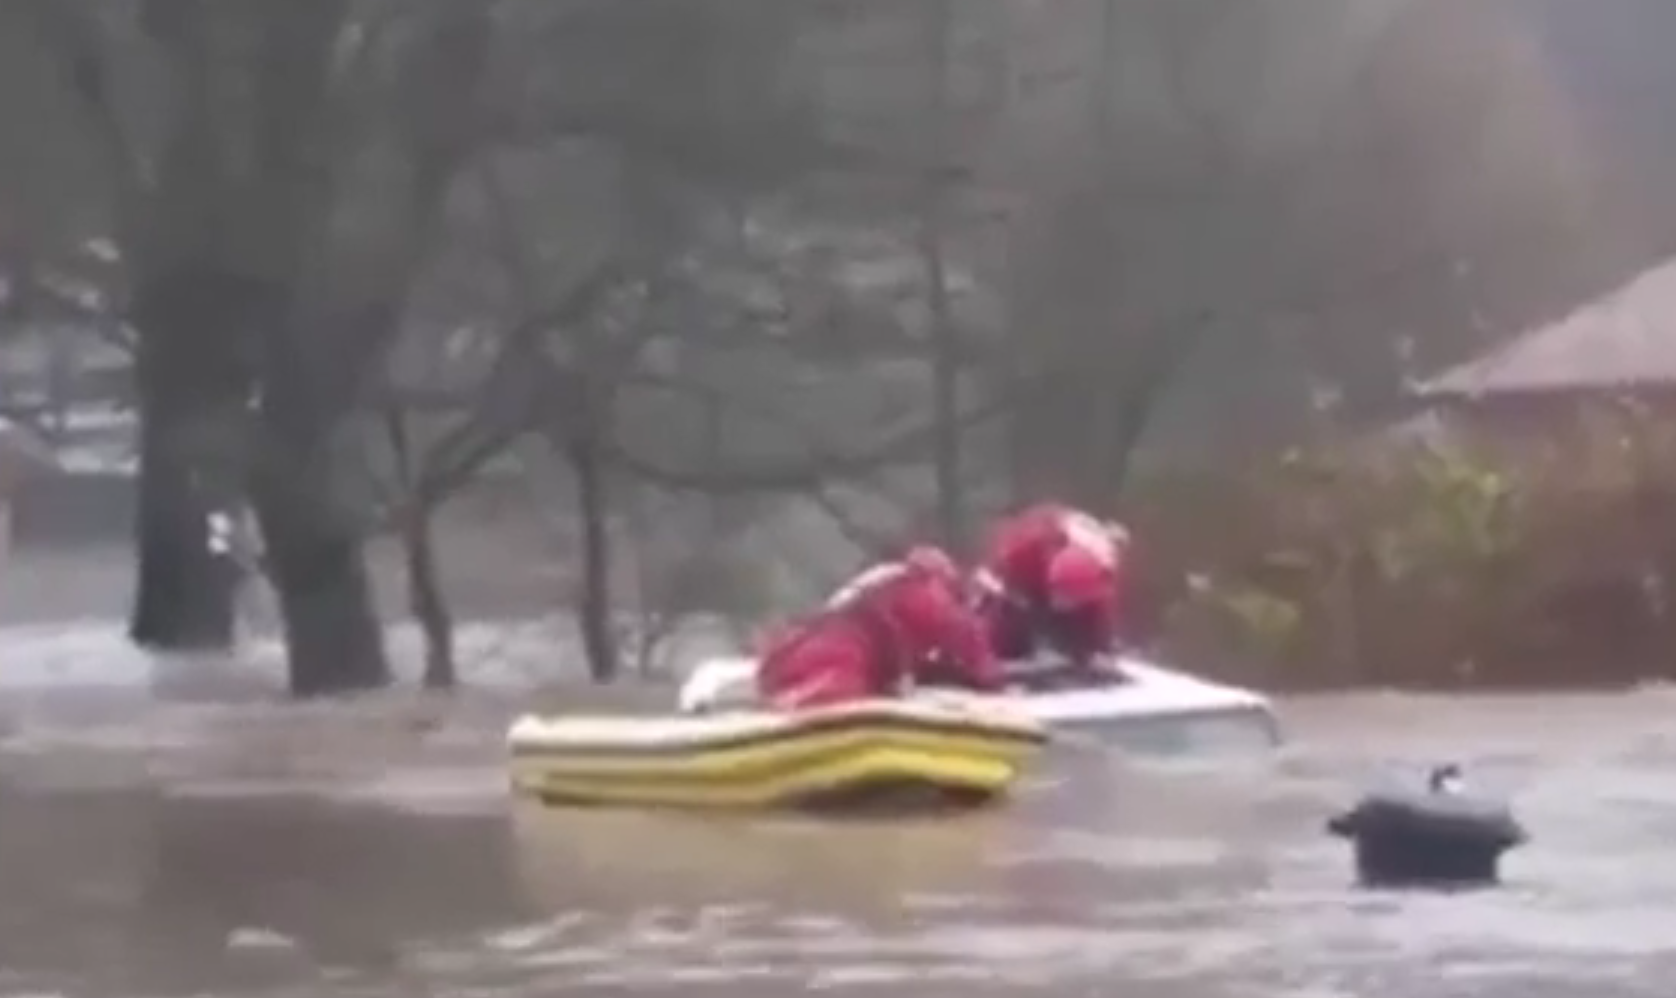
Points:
[[248, 849]]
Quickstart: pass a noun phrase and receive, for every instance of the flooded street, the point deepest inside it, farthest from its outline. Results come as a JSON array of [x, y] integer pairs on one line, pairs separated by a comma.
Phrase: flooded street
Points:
[[163, 840]]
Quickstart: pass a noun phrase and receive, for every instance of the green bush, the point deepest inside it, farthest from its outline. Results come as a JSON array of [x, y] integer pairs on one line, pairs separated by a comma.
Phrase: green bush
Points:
[[1434, 566]]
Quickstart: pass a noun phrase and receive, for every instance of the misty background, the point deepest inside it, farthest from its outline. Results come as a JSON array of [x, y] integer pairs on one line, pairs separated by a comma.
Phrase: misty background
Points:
[[664, 309]]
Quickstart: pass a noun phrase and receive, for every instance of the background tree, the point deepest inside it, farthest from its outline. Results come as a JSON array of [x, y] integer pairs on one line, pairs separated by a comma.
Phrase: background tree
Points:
[[895, 263]]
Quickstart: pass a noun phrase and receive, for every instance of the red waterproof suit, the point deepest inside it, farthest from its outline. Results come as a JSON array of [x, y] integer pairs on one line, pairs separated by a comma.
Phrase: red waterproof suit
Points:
[[902, 621], [1052, 576]]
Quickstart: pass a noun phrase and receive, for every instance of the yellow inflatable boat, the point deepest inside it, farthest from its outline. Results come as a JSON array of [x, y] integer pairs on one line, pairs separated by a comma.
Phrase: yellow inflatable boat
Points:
[[863, 756]]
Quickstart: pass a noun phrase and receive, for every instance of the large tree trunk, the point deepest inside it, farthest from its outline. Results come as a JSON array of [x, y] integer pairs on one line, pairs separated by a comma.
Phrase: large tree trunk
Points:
[[192, 386], [184, 594], [333, 637]]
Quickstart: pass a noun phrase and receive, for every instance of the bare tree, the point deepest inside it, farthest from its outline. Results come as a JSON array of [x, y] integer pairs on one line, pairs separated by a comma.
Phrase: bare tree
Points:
[[571, 318], [280, 180], [279, 176], [232, 166], [1170, 227]]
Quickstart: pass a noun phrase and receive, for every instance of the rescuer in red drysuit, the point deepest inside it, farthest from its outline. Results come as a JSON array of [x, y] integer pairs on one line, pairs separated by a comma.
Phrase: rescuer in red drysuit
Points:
[[897, 623], [1052, 577]]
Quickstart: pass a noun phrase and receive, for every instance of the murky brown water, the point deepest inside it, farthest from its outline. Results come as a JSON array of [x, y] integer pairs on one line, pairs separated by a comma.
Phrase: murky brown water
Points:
[[241, 849]]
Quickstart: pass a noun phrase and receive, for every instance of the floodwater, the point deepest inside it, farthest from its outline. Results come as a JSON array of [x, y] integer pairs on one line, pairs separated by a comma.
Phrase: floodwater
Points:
[[185, 836]]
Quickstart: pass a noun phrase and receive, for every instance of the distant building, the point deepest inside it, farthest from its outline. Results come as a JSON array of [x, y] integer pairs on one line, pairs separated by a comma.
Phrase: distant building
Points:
[[1623, 344], [1610, 360], [1584, 406]]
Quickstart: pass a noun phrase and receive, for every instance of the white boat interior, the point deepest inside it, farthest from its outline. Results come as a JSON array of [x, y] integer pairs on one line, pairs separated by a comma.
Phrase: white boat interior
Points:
[[1131, 703]]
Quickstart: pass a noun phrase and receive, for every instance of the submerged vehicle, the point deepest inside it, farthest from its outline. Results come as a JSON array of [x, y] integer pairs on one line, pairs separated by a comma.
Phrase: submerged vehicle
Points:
[[872, 755], [1131, 703]]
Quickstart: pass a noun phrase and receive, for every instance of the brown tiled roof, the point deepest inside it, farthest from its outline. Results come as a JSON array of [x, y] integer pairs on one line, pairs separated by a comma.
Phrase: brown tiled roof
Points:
[[1626, 340]]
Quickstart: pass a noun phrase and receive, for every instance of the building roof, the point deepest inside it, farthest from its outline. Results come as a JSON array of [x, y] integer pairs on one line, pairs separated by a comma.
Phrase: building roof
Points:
[[1623, 341]]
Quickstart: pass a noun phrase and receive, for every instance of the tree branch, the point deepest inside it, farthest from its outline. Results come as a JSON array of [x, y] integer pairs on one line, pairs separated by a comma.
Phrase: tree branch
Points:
[[510, 403], [872, 542], [72, 31], [818, 467], [442, 135], [604, 368], [510, 249]]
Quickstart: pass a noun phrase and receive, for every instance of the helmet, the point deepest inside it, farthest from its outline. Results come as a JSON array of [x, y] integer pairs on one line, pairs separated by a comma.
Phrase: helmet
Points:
[[1077, 578], [932, 561]]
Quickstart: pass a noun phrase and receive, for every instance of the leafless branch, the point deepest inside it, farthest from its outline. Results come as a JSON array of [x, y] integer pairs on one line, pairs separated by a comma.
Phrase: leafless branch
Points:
[[439, 152], [513, 256], [511, 400], [72, 31], [873, 542], [819, 466], [101, 320]]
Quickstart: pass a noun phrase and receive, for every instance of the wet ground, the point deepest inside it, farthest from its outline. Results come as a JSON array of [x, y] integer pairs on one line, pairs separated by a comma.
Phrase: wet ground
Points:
[[174, 833]]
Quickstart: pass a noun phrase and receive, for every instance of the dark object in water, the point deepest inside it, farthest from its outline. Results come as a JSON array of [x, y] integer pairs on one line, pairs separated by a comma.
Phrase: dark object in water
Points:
[[1442, 838]]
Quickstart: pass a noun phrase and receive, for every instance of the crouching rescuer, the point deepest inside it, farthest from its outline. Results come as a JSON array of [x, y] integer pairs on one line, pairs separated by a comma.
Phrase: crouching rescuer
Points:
[[896, 625], [1052, 580]]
